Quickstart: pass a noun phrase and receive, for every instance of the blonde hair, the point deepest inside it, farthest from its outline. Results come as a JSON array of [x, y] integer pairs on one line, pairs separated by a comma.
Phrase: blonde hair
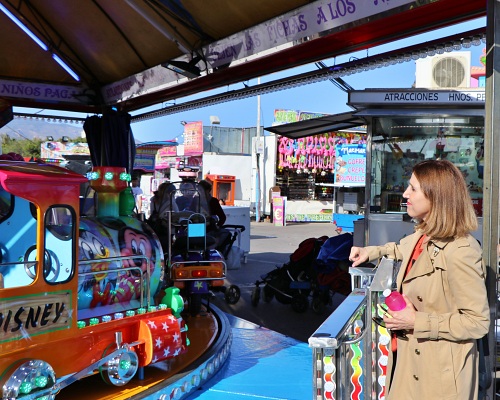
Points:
[[452, 214]]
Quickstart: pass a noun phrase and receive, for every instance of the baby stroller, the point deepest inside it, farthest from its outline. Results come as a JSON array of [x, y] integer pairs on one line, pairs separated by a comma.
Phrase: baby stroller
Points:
[[290, 283], [331, 268], [225, 247], [317, 268], [232, 293]]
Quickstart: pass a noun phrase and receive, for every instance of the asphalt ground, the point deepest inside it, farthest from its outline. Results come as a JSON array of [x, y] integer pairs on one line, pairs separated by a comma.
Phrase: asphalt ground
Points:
[[270, 248]]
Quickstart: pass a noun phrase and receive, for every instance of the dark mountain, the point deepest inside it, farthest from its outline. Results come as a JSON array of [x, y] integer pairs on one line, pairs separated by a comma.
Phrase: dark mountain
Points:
[[21, 128]]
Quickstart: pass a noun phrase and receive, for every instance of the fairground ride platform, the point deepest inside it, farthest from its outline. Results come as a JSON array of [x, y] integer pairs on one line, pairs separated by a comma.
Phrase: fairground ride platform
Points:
[[228, 359]]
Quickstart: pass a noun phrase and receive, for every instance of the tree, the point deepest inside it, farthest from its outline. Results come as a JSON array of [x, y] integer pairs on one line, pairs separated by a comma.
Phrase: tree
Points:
[[79, 140], [25, 147]]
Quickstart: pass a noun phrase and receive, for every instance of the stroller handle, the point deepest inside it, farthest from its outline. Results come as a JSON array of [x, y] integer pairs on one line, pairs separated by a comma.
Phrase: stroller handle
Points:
[[241, 228]]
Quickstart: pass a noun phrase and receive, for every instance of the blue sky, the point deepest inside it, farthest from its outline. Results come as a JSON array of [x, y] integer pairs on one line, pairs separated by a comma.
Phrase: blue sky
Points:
[[322, 97]]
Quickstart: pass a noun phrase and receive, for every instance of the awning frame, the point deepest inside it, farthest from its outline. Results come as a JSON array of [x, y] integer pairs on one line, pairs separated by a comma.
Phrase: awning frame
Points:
[[316, 126]]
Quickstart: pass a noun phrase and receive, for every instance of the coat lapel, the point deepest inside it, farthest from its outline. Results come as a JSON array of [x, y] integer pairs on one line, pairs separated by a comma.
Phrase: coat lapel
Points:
[[425, 263]]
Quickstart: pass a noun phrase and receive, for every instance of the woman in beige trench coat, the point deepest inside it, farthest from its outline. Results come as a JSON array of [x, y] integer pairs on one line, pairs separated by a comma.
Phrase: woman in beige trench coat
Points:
[[442, 279]]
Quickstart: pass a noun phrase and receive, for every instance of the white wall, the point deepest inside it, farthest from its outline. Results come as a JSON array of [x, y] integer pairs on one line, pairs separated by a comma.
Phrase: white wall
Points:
[[239, 166]]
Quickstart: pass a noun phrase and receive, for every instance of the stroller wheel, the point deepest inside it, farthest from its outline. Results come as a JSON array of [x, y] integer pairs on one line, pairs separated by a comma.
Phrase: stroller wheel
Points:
[[300, 303], [318, 305], [268, 294], [255, 296], [232, 294]]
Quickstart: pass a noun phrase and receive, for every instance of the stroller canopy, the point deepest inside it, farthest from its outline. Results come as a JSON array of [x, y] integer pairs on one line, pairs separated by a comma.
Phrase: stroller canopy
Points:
[[335, 248]]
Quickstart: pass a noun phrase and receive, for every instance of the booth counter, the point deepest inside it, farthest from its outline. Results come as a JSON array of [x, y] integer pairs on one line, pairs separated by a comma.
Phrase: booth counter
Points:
[[384, 228]]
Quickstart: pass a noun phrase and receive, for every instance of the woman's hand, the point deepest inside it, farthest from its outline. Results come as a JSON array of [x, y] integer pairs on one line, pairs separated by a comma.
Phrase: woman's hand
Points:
[[402, 320], [359, 255]]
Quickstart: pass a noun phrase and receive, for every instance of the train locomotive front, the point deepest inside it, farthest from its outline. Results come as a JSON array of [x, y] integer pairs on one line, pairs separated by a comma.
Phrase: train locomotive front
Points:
[[79, 295]]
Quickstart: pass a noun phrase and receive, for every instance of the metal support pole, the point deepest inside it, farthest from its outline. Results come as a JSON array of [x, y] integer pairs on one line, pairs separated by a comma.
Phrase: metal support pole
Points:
[[257, 158], [491, 186]]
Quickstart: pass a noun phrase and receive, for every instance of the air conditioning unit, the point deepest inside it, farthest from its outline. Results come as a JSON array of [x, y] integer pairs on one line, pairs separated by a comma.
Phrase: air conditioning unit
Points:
[[450, 70]]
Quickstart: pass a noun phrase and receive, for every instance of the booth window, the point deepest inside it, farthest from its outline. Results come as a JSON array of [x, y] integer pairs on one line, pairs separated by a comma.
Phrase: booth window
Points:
[[59, 244], [17, 234], [401, 142]]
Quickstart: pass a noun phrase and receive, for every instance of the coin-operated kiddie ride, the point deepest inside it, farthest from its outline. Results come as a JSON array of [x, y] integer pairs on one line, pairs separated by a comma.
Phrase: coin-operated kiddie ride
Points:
[[195, 257], [79, 295]]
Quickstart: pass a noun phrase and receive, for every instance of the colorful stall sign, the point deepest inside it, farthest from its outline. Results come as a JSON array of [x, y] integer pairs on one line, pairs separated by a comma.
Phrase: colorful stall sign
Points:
[[324, 215], [193, 138], [350, 165], [145, 160], [57, 150], [278, 211], [146, 155], [314, 152], [166, 157], [289, 116]]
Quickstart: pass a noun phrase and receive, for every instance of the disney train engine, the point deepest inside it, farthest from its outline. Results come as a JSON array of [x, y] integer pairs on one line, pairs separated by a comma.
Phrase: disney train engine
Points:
[[78, 295]]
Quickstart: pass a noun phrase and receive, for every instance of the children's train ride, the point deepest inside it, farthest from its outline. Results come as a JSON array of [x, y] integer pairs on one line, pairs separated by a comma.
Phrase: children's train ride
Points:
[[79, 295]]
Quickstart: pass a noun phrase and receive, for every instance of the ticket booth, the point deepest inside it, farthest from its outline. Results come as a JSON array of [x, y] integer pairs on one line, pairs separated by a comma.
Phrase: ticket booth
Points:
[[223, 187], [406, 126]]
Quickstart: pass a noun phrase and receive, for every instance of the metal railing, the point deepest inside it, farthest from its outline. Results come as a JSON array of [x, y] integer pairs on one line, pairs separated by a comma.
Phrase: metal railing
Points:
[[350, 351], [120, 268]]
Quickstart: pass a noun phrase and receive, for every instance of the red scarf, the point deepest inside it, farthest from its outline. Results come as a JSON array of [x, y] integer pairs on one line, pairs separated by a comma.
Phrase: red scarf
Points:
[[419, 248]]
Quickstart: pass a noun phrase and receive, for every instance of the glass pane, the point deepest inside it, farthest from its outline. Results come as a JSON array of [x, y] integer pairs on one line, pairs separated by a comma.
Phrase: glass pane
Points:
[[223, 190], [18, 227], [59, 231], [401, 142]]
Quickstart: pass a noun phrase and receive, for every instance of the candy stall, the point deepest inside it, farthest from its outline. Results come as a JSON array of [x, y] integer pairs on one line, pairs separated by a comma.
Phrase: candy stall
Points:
[[315, 181]]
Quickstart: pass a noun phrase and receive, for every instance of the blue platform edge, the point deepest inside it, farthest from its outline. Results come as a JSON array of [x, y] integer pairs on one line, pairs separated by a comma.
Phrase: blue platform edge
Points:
[[262, 364]]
